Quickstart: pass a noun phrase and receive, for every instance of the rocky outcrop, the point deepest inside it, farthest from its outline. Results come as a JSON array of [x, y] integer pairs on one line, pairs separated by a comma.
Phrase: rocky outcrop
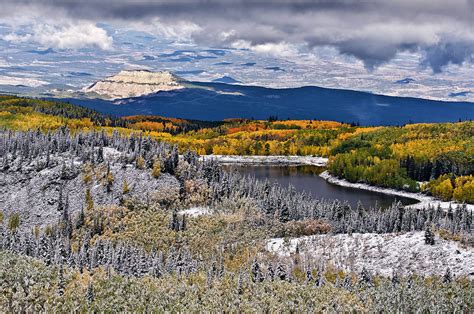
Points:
[[128, 84]]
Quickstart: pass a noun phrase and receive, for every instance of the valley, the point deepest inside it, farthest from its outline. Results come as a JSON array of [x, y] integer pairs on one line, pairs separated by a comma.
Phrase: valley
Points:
[[231, 207], [238, 156]]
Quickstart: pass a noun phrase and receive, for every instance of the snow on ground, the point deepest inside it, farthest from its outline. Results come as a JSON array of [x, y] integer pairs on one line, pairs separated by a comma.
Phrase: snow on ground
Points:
[[382, 253], [424, 200], [268, 160], [111, 153], [195, 211]]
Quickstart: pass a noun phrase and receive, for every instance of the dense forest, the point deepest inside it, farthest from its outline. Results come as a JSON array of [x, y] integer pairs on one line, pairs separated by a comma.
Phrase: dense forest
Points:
[[146, 254], [437, 159], [405, 157]]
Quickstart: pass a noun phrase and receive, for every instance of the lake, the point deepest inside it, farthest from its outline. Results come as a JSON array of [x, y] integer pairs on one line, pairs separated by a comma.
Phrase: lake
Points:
[[306, 178]]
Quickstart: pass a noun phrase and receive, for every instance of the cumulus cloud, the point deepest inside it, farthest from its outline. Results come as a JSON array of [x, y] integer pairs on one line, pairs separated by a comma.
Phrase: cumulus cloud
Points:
[[71, 36], [281, 49], [372, 31], [31, 82]]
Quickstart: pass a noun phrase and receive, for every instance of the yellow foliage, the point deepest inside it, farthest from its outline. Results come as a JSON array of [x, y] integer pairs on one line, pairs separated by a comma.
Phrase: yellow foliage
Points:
[[156, 171], [444, 190], [125, 189], [464, 191], [140, 162]]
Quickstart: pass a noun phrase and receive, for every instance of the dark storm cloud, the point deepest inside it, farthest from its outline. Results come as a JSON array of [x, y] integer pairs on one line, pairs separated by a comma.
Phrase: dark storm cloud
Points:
[[372, 31], [449, 52]]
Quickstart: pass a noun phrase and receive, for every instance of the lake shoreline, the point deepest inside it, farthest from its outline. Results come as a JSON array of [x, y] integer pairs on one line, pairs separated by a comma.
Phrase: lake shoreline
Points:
[[423, 200], [278, 160]]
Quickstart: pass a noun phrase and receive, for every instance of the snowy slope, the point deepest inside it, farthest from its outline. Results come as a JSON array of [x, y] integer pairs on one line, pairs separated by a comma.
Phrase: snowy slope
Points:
[[382, 253]]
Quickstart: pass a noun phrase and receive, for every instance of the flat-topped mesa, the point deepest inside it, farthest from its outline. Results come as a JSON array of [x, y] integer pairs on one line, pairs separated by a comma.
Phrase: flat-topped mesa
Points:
[[128, 84]]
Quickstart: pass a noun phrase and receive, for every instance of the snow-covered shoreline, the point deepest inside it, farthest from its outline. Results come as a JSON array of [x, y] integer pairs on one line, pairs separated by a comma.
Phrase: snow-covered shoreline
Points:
[[268, 160], [423, 200]]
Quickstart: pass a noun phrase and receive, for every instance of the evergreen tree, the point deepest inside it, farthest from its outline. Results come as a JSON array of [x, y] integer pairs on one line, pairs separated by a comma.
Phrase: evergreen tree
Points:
[[270, 272], [429, 236], [256, 272], [80, 219], [365, 277], [320, 281], [240, 285], [90, 293], [61, 281], [281, 272], [447, 278]]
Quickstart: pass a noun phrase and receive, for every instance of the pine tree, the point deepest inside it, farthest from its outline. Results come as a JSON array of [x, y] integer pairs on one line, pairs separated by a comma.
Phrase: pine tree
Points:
[[395, 280], [429, 236], [320, 282], [100, 154], [256, 272], [109, 179], [61, 281], [270, 272], [90, 293], [281, 272], [183, 223], [365, 277], [309, 275], [240, 284], [80, 219], [347, 283], [447, 278], [60, 199], [284, 214], [174, 222]]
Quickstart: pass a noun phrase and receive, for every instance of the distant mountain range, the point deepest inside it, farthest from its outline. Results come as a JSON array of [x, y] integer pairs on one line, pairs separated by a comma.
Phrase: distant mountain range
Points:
[[217, 101]]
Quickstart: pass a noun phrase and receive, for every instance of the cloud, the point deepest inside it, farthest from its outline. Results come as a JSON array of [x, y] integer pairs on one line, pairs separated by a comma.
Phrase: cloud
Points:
[[71, 36], [449, 52], [372, 31], [179, 30], [31, 82]]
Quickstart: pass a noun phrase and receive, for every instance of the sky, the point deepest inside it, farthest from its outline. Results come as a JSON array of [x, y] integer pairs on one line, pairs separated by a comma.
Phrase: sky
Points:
[[417, 48]]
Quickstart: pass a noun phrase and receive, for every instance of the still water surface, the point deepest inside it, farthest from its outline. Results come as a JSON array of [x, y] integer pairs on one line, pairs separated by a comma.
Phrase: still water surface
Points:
[[306, 178]]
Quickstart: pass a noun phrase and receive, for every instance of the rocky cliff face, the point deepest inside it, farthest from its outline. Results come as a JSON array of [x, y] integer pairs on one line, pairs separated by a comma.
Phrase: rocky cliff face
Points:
[[128, 84]]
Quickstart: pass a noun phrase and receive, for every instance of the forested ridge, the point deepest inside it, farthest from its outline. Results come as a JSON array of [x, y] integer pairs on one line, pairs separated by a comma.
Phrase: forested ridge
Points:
[[437, 159], [406, 157], [144, 252]]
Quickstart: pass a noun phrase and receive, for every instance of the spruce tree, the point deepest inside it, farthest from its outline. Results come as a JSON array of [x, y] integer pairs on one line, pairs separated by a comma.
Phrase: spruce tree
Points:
[[256, 272], [365, 277], [281, 272], [240, 285], [429, 236], [61, 281], [447, 278], [90, 293]]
